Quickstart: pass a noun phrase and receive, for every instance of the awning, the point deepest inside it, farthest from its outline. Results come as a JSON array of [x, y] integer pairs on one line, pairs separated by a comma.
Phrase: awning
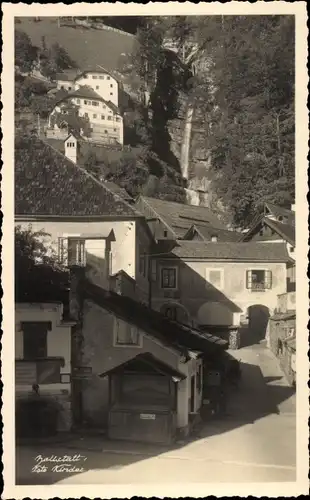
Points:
[[144, 362]]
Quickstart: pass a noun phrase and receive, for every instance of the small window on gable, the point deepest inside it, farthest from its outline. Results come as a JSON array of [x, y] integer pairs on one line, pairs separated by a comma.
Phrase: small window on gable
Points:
[[108, 78], [111, 84], [165, 233], [97, 87]]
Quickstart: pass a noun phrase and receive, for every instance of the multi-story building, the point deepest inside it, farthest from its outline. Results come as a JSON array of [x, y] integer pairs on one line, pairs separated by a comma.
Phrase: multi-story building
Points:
[[216, 285], [92, 97]]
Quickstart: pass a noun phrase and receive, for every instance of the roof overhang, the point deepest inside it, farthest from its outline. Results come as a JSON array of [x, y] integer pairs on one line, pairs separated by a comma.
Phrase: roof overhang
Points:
[[149, 361]]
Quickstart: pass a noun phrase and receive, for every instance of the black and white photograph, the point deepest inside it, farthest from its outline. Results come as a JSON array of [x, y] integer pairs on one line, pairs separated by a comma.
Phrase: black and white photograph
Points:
[[155, 249]]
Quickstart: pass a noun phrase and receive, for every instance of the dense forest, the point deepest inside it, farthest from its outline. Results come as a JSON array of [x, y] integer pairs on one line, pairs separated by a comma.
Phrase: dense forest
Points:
[[236, 72]]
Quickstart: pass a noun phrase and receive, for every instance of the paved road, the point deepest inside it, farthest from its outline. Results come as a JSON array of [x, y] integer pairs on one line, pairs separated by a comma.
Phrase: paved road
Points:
[[254, 443]]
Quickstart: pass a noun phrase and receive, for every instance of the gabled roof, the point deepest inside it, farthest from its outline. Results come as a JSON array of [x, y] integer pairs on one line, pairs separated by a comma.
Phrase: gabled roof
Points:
[[67, 75], [88, 93], [47, 183], [242, 252], [280, 212], [180, 337], [178, 216], [286, 231], [207, 232], [144, 361]]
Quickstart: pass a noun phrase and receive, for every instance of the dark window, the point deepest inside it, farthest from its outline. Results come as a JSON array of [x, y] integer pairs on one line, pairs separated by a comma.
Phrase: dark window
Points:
[[259, 280], [108, 78], [111, 84], [109, 117], [169, 277], [102, 117], [165, 233], [35, 339]]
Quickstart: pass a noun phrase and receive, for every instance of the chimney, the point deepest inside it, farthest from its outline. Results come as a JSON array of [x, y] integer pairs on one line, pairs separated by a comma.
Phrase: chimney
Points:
[[214, 238]]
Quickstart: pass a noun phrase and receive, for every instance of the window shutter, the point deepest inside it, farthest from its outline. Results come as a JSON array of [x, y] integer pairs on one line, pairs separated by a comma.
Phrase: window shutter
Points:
[[249, 279], [268, 280], [63, 251]]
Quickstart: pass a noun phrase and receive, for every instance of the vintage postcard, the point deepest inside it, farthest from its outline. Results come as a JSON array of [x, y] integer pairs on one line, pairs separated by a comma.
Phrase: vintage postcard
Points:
[[154, 251]]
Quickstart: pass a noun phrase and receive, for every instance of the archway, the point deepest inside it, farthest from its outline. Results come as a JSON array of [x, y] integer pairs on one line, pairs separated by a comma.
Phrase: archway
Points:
[[175, 312], [258, 317]]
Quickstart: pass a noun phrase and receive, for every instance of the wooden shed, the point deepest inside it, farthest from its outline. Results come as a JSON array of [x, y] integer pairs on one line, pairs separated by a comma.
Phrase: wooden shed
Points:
[[143, 400]]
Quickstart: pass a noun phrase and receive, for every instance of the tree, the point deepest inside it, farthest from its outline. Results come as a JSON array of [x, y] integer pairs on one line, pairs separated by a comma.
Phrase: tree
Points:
[[25, 52], [38, 276]]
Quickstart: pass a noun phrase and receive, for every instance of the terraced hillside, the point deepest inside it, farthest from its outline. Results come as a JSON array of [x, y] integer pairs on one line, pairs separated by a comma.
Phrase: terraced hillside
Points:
[[86, 46]]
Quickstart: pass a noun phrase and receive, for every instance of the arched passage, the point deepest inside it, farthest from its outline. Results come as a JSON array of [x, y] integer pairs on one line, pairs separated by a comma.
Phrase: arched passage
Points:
[[175, 312], [258, 317]]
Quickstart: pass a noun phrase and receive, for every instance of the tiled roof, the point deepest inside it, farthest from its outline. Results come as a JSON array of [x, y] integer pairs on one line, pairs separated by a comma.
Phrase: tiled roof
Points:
[[117, 190], [47, 183], [180, 217], [68, 75], [206, 233], [179, 336], [87, 92], [287, 231], [281, 212], [270, 252]]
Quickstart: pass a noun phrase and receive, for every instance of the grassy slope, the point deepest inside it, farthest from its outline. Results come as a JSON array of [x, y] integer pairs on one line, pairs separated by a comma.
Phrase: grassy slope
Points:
[[87, 47]]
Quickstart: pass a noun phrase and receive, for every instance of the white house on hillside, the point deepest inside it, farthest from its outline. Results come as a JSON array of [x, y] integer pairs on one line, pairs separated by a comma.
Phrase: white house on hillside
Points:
[[92, 95], [85, 105], [99, 80]]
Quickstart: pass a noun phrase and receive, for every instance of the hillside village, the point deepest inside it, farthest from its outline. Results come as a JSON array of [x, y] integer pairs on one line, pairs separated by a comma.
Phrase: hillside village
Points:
[[138, 296]]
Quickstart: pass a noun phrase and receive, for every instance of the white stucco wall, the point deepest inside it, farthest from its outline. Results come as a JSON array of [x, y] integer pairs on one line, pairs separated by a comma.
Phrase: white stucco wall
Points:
[[123, 249], [102, 83], [58, 339]]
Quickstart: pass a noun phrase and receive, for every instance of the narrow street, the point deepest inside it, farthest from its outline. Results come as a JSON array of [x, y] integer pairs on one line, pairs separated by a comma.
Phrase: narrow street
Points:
[[255, 442]]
